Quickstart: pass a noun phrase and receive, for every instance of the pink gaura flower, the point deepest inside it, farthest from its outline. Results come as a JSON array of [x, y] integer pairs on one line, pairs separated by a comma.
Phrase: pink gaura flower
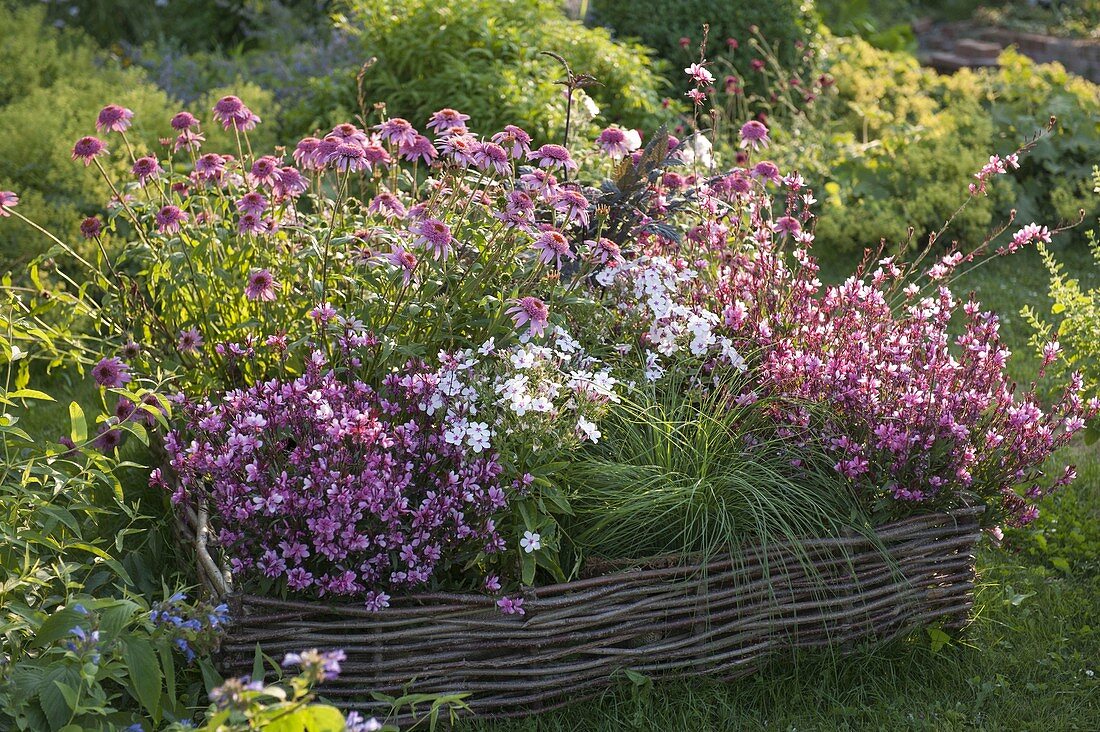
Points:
[[532, 312], [700, 75]]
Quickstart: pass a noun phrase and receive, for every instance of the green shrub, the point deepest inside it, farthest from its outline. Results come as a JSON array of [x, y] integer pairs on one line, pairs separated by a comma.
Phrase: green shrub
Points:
[[788, 26], [484, 58], [52, 84], [890, 148]]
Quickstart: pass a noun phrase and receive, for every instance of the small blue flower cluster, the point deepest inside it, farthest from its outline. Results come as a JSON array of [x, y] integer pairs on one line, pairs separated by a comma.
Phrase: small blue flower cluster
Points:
[[189, 625]]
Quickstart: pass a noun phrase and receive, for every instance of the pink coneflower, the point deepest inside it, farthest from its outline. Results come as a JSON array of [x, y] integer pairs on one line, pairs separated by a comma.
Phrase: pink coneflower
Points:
[[188, 140], [787, 225], [169, 219], [108, 439], [387, 206], [261, 286], [434, 235], [396, 131], [732, 44], [91, 227], [252, 202], [289, 183], [305, 153], [146, 168], [88, 149], [348, 157], [421, 148], [514, 140], [113, 118], [251, 223], [491, 156], [264, 169], [189, 340], [552, 246], [754, 135], [376, 155], [757, 64], [573, 205], [447, 119], [210, 167], [111, 373], [617, 142], [541, 181], [605, 251], [461, 148], [766, 170], [233, 113], [130, 350], [184, 121], [8, 199], [404, 260], [347, 132], [700, 75], [532, 312], [552, 156]]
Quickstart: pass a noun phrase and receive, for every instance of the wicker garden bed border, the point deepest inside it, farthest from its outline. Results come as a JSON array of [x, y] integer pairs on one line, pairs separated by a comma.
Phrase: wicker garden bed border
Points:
[[666, 620]]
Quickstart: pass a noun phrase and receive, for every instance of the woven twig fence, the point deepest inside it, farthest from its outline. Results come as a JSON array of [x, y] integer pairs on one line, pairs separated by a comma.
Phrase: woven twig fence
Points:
[[720, 620]]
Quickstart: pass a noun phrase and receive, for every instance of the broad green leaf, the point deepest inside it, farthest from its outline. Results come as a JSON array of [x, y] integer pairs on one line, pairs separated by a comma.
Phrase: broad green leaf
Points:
[[79, 426], [145, 673]]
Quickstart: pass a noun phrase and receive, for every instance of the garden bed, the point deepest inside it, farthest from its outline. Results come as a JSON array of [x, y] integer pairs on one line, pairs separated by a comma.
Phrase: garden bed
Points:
[[683, 620]]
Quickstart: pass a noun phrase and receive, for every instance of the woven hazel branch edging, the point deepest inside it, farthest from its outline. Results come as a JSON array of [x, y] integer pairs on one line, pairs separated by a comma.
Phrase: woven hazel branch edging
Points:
[[720, 620]]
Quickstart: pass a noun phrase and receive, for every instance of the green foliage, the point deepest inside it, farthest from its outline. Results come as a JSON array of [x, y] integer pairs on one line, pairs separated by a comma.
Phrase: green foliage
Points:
[[892, 146], [52, 85], [1074, 317], [788, 26], [80, 647], [484, 58], [188, 24], [680, 472]]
